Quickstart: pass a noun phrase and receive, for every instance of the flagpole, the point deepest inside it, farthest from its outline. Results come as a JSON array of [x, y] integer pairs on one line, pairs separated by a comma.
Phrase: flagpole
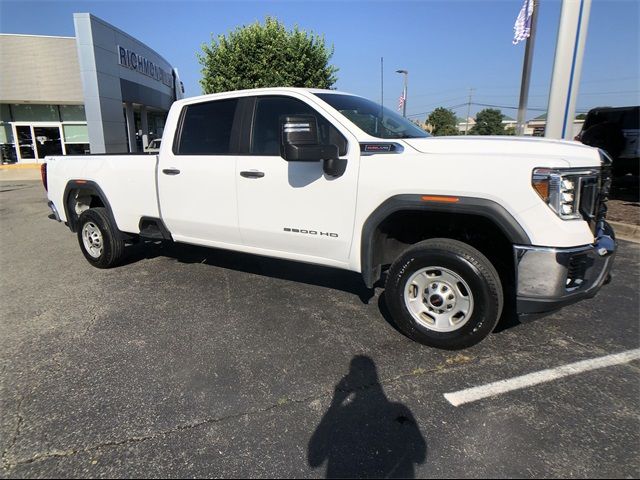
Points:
[[526, 71], [405, 73], [382, 81]]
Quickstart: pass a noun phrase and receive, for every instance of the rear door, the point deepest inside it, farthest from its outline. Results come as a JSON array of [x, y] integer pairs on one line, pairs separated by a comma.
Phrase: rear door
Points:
[[630, 124], [197, 175]]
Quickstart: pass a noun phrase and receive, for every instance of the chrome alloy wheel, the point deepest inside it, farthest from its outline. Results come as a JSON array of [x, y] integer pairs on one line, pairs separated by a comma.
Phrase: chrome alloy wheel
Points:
[[438, 299], [92, 239]]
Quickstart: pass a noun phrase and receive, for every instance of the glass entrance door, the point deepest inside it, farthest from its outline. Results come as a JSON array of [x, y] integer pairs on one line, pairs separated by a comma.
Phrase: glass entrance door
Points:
[[24, 139], [37, 141], [48, 141]]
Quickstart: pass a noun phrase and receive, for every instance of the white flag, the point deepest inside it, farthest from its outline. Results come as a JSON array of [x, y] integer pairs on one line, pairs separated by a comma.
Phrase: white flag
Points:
[[522, 28]]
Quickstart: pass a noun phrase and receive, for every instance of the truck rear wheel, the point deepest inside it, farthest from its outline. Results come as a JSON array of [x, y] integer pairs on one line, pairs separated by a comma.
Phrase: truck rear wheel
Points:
[[99, 238], [444, 293]]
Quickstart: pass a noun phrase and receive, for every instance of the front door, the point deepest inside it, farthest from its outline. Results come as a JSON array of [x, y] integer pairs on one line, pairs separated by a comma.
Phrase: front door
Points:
[[293, 207], [196, 176]]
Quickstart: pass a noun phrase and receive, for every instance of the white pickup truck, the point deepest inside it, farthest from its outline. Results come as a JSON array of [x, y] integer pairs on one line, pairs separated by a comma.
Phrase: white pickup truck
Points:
[[460, 225]]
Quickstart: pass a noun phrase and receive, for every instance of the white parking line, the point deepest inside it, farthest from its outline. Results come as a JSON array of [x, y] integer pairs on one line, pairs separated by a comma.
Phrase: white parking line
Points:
[[496, 388]]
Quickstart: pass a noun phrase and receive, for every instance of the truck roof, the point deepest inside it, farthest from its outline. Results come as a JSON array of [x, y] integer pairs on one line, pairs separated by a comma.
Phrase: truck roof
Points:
[[254, 91]]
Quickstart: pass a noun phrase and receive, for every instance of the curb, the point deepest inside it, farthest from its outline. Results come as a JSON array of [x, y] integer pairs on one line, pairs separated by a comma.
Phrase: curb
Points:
[[626, 231], [21, 166]]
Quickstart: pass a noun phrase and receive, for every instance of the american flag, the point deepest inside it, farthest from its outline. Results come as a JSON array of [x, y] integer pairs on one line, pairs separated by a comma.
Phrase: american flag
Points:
[[401, 101], [522, 28]]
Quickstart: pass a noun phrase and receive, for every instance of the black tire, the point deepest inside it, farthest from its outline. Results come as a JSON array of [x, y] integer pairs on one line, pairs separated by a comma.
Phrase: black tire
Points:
[[467, 263], [111, 238]]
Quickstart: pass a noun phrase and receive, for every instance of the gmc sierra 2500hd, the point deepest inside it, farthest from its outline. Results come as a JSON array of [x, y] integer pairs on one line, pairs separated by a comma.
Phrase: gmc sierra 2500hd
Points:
[[459, 224]]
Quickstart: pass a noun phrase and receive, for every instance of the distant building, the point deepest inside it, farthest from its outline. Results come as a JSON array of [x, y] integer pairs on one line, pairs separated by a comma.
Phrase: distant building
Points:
[[465, 124], [509, 123], [102, 91], [536, 126]]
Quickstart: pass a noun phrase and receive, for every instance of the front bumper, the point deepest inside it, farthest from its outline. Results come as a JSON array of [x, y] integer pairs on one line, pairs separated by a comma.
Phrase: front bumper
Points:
[[551, 278]]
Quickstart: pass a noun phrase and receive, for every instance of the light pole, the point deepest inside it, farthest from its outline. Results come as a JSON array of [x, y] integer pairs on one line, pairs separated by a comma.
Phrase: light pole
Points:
[[404, 91], [567, 67]]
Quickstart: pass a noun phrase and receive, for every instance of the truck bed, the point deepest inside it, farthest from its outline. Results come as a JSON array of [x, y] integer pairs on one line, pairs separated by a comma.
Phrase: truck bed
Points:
[[128, 181]]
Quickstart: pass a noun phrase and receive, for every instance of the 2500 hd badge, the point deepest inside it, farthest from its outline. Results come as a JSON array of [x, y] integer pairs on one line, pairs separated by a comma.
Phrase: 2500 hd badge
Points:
[[310, 232]]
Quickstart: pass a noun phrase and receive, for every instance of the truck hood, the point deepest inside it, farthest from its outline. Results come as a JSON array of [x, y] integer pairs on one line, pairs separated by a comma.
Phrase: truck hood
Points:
[[574, 153]]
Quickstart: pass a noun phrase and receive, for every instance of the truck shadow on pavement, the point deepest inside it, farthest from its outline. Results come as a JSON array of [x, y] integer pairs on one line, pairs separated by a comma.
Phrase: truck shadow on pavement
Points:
[[317, 275], [350, 282], [363, 434]]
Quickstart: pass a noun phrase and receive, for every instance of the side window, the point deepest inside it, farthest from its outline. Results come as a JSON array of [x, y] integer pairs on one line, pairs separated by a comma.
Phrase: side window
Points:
[[206, 128], [266, 126]]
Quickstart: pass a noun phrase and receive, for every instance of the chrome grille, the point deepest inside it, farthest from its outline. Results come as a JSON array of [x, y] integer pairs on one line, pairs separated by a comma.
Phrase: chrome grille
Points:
[[589, 190], [593, 202]]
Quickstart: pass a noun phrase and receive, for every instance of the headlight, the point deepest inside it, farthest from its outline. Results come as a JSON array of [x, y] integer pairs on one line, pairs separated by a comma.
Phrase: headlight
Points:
[[560, 189]]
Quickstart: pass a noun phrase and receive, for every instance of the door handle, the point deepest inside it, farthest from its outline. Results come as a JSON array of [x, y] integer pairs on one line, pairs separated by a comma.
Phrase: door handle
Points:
[[252, 174], [171, 171]]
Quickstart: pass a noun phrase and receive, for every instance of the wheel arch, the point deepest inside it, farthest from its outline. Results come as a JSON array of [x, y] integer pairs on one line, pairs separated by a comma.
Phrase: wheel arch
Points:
[[79, 194], [375, 244]]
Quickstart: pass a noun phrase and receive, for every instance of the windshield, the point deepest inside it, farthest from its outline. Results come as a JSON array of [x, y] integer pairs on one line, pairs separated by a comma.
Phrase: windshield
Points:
[[372, 118]]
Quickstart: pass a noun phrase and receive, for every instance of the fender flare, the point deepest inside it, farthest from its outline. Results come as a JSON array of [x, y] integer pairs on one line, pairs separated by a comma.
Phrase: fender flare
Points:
[[414, 202], [79, 184]]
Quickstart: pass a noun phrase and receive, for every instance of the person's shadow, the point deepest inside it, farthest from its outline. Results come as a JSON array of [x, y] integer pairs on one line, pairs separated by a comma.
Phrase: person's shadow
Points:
[[363, 434]]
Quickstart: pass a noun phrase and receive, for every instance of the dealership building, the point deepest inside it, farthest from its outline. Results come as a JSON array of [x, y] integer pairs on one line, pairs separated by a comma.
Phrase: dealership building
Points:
[[101, 91]]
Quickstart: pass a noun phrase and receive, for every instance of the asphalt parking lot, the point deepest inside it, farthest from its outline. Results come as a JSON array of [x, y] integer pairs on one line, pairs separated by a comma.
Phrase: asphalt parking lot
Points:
[[191, 362]]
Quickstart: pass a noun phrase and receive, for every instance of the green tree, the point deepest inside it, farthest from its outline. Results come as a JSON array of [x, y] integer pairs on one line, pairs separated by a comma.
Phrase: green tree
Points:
[[266, 55], [443, 122], [488, 122]]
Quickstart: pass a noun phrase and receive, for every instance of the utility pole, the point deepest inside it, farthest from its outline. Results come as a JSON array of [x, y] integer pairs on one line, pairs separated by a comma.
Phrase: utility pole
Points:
[[466, 129], [526, 71]]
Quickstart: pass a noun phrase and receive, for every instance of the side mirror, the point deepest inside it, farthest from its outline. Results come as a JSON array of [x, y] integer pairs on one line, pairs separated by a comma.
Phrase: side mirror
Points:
[[301, 143], [300, 140]]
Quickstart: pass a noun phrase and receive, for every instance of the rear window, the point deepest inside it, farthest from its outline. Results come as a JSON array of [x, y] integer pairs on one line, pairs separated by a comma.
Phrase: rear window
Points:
[[631, 119], [206, 128]]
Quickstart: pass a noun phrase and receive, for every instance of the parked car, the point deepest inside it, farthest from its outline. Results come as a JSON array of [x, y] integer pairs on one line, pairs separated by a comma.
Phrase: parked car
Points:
[[154, 146], [461, 225], [616, 130]]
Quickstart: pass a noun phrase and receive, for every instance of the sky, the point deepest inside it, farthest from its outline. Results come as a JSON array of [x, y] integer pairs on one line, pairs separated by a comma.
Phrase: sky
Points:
[[448, 46]]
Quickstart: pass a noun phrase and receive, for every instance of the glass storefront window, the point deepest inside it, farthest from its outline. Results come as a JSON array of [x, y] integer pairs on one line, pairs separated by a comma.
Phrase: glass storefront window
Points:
[[6, 135], [35, 113], [72, 113], [76, 133], [77, 148], [7, 150], [156, 124], [5, 113]]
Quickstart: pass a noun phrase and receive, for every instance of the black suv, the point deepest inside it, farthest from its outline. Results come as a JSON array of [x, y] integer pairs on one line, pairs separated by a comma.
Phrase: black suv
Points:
[[615, 129]]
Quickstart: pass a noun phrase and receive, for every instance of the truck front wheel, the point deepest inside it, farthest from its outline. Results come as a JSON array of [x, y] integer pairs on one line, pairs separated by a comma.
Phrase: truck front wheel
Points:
[[444, 293], [99, 238]]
